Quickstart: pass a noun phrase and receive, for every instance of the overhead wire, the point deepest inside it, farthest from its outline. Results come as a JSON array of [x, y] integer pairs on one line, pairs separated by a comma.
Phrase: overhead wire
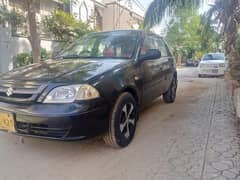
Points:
[[139, 5]]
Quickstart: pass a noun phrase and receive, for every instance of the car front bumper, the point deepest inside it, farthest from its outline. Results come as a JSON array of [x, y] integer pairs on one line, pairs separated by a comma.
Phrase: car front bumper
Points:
[[211, 71], [58, 121]]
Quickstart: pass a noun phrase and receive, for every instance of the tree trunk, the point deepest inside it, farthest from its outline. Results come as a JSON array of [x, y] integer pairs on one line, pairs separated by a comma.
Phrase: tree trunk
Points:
[[34, 37], [230, 36], [230, 48], [179, 60]]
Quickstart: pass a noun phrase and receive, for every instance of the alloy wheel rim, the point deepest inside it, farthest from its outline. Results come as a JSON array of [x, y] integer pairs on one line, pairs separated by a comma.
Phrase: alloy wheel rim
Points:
[[127, 121]]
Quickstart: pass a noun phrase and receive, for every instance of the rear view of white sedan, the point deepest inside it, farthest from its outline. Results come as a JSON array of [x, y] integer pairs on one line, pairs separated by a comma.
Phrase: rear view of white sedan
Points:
[[212, 64]]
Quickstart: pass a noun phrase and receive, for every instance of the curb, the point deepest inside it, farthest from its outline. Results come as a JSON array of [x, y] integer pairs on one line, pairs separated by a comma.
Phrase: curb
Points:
[[233, 89]]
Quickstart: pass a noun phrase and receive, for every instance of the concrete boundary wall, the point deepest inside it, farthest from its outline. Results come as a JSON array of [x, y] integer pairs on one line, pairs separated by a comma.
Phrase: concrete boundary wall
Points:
[[11, 46]]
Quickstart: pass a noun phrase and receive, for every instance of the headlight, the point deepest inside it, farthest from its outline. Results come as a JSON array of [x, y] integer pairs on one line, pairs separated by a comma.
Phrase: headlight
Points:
[[222, 65], [68, 94]]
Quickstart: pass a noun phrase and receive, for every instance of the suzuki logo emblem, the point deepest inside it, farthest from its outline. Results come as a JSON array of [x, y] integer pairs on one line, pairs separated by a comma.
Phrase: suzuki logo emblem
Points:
[[9, 91]]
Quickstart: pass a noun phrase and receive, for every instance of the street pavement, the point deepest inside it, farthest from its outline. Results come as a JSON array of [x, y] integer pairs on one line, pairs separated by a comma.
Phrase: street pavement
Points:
[[196, 138]]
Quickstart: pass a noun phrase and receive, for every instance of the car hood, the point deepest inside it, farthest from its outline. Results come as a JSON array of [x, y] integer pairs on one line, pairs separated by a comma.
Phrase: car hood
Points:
[[213, 62], [62, 71]]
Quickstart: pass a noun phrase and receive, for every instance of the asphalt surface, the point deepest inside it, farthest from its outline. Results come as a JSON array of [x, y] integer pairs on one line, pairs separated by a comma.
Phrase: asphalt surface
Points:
[[195, 138]]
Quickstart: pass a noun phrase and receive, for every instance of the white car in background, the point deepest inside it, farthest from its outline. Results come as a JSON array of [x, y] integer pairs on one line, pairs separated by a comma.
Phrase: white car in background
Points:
[[212, 64]]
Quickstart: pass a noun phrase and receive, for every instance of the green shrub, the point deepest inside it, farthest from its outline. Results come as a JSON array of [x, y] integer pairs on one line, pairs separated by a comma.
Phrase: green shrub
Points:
[[45, 54], [64, 26], [14, 17], [24, 59]]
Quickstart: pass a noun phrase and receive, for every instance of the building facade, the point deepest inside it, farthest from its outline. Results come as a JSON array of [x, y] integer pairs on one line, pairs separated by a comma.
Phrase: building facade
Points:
[[117, 17], [13, 40], [102, 15], [88, 11], [106, 15]]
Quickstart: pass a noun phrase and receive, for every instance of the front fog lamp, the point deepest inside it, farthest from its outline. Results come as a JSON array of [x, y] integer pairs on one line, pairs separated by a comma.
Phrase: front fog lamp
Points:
[[68, 94]]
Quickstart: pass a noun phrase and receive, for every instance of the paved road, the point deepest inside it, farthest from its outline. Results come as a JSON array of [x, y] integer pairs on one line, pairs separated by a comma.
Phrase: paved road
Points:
[[197, 138]]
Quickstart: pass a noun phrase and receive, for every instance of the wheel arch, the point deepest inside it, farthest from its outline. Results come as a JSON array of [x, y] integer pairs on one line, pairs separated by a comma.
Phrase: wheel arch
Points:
[[175, 74], [133, 91]]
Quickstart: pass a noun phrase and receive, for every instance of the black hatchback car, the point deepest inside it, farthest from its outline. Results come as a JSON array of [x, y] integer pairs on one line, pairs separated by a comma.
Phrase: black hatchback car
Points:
[[97, 85]]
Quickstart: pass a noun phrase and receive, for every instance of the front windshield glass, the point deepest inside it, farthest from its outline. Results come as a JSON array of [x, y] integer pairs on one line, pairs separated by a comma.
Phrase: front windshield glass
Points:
[[212, 57], [120, 45]]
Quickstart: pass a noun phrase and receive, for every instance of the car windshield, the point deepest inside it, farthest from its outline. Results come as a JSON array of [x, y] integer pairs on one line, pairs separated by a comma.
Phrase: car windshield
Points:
[[120, 45], [212, 57]]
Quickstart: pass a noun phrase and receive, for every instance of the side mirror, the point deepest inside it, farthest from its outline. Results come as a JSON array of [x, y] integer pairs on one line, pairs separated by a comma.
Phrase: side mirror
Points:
[[150, 55]]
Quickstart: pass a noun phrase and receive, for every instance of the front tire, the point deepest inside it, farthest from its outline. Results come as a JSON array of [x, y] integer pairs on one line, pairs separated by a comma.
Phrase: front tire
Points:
[[170, 95], [122, 122]]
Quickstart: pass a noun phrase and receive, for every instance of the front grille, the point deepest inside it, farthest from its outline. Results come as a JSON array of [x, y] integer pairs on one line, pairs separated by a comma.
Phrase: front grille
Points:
[[212, 65], [19, 96], [41, 130], [20, 92]]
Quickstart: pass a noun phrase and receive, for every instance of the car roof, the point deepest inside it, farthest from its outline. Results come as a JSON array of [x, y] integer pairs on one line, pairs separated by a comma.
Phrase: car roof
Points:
[[214, 53], [130, 31]]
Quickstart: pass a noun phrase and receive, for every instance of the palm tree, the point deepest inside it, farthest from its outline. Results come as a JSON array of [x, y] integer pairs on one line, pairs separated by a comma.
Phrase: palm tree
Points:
[[225, 12]]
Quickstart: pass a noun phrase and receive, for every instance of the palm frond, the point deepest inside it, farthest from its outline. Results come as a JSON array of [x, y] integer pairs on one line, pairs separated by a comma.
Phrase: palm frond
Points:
[[159, 8], [223, 14]]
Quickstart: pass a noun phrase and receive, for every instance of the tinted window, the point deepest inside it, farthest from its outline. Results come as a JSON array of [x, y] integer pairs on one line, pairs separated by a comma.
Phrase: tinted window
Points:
[[162, 48], [209, 57], [149, 43], [152, 42]]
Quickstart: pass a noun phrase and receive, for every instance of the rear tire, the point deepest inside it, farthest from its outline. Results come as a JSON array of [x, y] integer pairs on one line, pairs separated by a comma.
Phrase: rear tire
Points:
[[170, 95], [199, 75], [122, 122]]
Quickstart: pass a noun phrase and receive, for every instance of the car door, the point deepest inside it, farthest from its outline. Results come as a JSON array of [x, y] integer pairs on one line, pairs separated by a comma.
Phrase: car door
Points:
[[167, 66], [151, 70]]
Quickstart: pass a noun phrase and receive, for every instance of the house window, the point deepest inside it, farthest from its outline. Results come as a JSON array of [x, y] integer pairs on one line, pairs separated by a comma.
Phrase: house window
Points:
[[83, 12], [64, 6]]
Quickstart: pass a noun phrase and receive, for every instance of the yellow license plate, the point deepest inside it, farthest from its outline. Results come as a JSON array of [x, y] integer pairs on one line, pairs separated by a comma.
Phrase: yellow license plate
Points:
[[7, 122]]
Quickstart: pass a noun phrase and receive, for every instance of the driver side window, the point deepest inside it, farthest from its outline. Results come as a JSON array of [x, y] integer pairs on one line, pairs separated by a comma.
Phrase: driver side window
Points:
[[148, 43], [162, 48]]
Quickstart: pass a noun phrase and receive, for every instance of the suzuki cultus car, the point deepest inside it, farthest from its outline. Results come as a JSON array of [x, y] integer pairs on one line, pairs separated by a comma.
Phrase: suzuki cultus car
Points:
[[96, 86]]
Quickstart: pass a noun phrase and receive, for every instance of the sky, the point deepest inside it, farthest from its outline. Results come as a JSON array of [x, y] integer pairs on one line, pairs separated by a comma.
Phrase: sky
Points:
[[145, 3]]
